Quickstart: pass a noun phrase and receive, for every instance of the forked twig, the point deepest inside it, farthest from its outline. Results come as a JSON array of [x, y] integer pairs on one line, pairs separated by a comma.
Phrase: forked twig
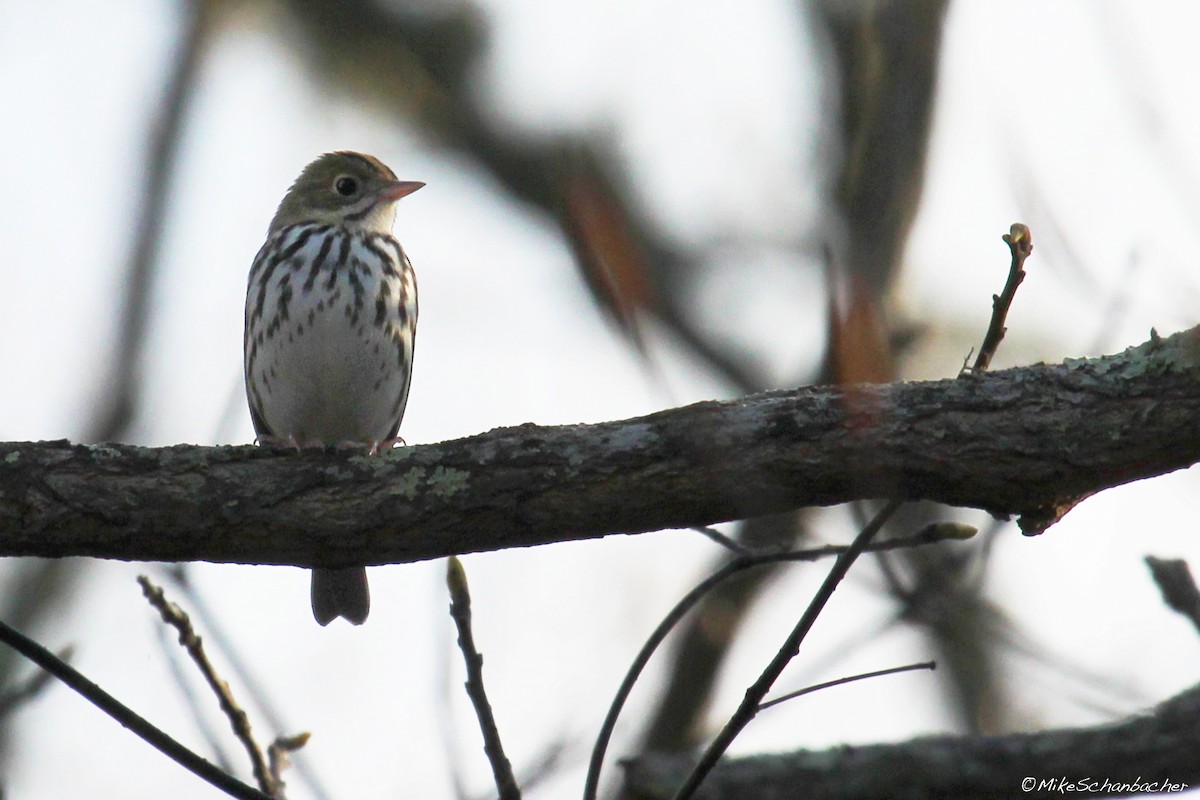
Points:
[[152, 735], [174, 616], [730, 544], [244, 676], [927, 535], [862, 676], [749, 706], [460, 610], [1020, 245]]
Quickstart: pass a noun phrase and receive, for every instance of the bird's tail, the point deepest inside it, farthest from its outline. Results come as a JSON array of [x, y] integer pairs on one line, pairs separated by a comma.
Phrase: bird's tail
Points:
[[340, 593]]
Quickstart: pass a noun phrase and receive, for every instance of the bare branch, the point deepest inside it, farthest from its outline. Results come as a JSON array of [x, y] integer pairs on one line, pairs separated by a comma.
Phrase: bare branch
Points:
[[248, 682], [460, 610], [1154, 747], [927, 535], [996, 442], [752, 701], [174, 616], [155, 737]]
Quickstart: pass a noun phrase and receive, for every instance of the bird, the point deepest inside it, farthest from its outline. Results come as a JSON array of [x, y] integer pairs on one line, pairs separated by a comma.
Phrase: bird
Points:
[[330, 325]]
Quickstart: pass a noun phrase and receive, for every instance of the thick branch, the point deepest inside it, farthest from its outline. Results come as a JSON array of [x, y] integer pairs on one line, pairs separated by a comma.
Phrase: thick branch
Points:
[[1030, 442], [1155, 748]]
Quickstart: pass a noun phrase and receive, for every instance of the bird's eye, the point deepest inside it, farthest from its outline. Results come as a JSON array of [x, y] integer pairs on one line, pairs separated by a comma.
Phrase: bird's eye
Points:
[[346, 186]]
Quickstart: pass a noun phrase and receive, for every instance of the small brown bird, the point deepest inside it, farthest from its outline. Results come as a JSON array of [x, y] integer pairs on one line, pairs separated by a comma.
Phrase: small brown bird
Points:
[[331, 319]]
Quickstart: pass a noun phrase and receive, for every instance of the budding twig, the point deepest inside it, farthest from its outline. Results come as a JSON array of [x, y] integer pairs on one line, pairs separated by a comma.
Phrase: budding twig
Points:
[[460, 610], [1020, 245], [174, 616], [248, 683]]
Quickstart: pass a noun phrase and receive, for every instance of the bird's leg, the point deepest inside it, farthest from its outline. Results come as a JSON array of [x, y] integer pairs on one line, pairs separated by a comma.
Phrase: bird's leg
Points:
[[386, 444]]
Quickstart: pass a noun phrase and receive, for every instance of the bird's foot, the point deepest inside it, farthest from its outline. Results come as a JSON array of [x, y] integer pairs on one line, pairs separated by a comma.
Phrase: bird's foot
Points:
[[386, 444]]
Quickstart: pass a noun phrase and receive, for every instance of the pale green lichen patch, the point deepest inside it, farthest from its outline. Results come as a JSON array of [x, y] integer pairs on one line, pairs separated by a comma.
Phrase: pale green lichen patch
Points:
[[102, 451], [447, 482], [1179, 353], [575, 459], [12, 458], [376, 465], [442, 482], [409, 484]]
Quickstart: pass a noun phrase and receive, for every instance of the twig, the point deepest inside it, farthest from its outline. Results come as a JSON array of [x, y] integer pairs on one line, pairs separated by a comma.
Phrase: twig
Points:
[[277, 754], [748, 708], [245, 677], [1020, 245], [460, 610], [725, 541], [1153, 745], [17, 696], [124, 715], [174, 616], [862, 676], [176, 665], [927, 535], [1177, 585]]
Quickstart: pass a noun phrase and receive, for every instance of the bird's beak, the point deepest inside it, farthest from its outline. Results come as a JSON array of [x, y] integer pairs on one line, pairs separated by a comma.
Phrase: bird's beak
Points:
[[394, 191]]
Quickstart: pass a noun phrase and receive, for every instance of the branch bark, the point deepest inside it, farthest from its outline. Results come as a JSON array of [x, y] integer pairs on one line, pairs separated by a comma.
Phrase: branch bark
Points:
[[1030, 442], [1129, 755]]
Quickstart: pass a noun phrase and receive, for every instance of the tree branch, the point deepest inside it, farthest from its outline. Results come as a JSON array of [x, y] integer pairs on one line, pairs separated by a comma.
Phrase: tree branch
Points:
[[1030, 442], [1147, 748]]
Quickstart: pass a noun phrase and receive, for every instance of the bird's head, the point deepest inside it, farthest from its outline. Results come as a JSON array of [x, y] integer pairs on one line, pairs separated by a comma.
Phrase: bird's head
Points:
[[344, 188]]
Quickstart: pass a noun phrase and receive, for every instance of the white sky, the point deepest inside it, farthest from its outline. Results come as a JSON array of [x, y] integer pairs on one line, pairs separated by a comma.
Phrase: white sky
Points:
[[1079, 115]]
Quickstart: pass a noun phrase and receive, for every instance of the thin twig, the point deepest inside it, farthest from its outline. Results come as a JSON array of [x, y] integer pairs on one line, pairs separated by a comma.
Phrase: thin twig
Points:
[[862, 676], [1177, 585], [124, 715], [749, 706], [930, 534], [174, 616], [725, 541], [460, 610], [190, 694], [18, 696], [1159, 743], [277, 754], [1020, 245], [248, 682]]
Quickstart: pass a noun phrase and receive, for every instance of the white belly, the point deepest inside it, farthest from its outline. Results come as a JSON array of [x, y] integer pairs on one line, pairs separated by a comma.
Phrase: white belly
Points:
[[335, 367]]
